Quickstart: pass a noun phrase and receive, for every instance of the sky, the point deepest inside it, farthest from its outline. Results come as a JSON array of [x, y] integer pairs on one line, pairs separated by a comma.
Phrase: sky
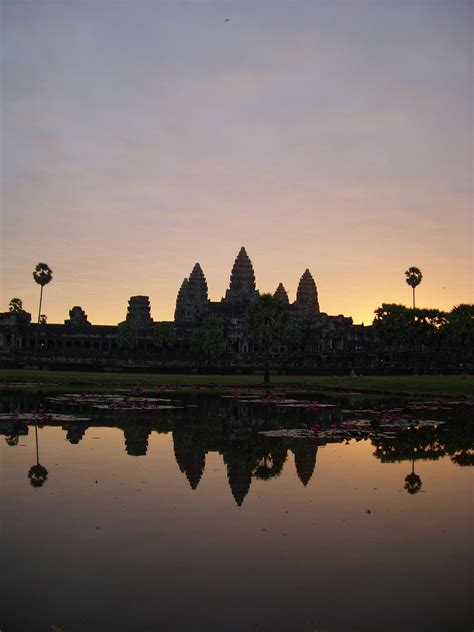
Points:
[[138, 138]]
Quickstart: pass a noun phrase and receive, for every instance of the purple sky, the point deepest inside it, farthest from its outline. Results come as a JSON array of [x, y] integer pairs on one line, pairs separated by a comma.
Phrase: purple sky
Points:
[[140, 137]]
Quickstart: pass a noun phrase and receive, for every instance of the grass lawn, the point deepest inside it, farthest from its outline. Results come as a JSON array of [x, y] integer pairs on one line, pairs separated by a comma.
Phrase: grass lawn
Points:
[[416, 384]]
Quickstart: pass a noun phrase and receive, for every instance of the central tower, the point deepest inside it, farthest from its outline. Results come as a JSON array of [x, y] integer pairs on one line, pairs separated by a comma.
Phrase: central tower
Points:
[[242, 281]]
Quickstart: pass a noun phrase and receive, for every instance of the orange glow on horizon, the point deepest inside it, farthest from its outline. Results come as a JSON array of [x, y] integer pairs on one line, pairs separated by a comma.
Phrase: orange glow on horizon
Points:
[[308, 136]]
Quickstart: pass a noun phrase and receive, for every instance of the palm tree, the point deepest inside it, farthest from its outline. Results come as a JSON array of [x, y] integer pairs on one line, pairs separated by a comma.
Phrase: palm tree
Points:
[[42, 274], [15, 305], [413, 278], [267, 322]]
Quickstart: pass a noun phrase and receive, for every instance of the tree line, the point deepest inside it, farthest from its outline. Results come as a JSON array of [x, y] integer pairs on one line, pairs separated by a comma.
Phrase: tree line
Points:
[[427, 331]]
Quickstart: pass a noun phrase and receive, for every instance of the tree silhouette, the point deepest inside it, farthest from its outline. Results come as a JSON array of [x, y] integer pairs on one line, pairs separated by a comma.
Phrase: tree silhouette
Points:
[[413, 278], [270, 463], [209, 338], [127, 336], [37, 473], [267, 322], [164, 335], [460, 332], [412, 480], [42, 274], [15, 305], [12, 439], [392, 325]]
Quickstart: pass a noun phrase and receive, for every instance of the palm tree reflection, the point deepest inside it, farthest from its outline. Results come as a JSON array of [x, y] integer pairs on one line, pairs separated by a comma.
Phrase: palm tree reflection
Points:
[[270, 463], [412, 481], [37, 474]]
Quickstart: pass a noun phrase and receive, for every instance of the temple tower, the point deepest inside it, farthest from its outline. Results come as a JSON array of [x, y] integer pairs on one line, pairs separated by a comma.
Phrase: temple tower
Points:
[[242, 280], [180, 311], [77, 318], [138, 313], [196, 291], [192, 302], [281, 295], [306, 304]]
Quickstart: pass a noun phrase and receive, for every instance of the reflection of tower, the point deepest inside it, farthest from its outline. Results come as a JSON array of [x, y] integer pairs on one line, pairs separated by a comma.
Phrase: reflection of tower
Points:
[[75, 432], [190, 456], [136, 439], [239, 472], [305, 459]]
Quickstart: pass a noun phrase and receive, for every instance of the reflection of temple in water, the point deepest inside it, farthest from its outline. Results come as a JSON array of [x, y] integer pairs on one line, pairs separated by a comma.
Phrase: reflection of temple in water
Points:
[[248, 455], [246, 458], [136, 439], [305, 459], [75, 432], [245, 455], [190, 455], [239, 471]]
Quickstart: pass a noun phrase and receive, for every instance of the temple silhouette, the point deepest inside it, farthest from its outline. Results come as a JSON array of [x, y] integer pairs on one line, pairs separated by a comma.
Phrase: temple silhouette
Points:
[[323, 340]]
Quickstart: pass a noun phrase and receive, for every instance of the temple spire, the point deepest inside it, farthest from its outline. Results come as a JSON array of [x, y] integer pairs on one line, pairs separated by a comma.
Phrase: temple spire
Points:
[[180, 311], [242, 280], [197, 287], [138, 313], [306, 303], [281, 294], [192, 300]]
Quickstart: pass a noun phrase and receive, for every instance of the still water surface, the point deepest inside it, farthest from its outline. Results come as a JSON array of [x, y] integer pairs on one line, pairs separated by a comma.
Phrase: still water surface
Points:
[[190, 520]]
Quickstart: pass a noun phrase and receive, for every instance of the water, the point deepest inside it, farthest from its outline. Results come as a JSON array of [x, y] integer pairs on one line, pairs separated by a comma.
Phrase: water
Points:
[[188, 519]]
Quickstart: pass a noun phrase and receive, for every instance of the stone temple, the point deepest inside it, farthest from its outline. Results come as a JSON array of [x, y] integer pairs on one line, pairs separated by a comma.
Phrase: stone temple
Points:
[[325, 341], [193, 304]]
